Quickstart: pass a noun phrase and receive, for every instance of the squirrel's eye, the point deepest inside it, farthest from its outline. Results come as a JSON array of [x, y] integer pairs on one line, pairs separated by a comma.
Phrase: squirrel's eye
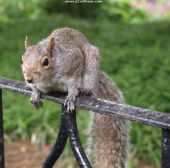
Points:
[[45, 62]]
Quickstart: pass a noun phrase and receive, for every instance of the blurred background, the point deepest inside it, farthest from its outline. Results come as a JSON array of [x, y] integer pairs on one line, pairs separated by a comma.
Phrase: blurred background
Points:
[[133, 37]]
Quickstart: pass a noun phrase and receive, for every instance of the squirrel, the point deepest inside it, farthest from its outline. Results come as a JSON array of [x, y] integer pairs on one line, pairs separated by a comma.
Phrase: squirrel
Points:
[[66, 61]]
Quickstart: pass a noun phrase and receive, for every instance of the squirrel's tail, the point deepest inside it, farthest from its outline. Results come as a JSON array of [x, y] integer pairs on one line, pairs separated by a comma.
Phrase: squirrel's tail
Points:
[[109, 135]]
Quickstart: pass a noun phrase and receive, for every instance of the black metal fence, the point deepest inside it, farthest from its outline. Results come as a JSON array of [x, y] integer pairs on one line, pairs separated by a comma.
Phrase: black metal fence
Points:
[[68, 126]]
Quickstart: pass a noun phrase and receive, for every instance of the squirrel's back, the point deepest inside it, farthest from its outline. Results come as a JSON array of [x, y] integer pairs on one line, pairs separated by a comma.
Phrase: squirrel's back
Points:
[[69, 36], [109, 135], [109, 141]]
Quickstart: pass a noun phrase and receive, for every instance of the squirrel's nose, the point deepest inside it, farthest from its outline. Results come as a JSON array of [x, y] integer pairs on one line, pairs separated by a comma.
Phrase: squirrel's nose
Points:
[[30, 81]]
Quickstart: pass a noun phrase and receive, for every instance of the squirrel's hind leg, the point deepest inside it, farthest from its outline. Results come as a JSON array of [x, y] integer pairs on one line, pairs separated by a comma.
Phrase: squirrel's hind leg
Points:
[[73, 91], [90, 77]]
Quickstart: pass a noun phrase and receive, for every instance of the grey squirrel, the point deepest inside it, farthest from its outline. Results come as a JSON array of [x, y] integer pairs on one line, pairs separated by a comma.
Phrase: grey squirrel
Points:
[[66, 61]]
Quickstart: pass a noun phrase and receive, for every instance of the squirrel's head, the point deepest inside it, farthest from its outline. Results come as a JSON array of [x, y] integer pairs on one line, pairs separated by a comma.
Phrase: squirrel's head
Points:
[[37, 61]]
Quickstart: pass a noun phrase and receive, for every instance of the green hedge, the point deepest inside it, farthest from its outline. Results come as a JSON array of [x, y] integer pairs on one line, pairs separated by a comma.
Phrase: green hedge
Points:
[[137, 57], [114, 10]]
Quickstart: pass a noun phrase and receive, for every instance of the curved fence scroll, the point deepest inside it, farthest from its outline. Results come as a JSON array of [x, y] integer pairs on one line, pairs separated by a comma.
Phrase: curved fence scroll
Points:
[[68, 126]]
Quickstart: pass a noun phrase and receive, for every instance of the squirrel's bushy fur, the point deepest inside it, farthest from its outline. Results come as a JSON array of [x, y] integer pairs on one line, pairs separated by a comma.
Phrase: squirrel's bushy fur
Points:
[[109, 135], [66, 61]]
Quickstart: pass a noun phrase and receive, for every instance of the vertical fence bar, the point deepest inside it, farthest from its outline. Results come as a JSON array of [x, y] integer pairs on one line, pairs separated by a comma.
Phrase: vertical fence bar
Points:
[[74, 139], [59, 144], [2, 165], [165, 148]]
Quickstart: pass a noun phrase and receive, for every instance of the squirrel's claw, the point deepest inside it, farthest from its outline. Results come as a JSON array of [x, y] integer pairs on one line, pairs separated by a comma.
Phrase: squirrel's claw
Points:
[[37, 103], [69, 103], [35, 99]]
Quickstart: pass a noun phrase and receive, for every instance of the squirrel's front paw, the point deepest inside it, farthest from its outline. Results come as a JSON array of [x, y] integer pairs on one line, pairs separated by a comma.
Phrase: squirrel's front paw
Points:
[[36, 102], [69, 103], [85, 92]]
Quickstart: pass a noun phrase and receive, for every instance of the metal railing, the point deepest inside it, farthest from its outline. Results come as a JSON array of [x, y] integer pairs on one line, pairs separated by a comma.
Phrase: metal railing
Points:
[[68, 126]]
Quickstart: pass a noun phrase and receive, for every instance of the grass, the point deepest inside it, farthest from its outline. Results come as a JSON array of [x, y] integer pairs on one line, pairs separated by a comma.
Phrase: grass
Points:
[[137, 57]]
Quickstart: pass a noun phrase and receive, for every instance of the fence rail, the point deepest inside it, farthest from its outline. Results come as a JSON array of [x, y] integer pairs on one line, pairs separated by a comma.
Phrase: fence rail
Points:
[[68, 127]]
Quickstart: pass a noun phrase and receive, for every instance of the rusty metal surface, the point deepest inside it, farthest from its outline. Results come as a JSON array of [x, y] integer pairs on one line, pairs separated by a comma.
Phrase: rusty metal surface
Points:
[[165, 162], [145, 116], [1, 134]]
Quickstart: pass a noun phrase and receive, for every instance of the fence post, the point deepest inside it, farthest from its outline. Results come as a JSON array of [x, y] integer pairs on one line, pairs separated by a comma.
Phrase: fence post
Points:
[[2, 165], [165, 148]]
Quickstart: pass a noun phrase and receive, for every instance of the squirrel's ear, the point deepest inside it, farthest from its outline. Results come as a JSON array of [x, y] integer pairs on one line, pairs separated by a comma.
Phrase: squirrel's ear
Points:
[[51, 44], [27, 44]]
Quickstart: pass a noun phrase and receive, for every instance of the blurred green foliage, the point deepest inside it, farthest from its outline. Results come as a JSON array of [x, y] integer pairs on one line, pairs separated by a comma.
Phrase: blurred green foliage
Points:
[[122, 11], [89, 10], [135, 56], [112, 9], [18, 9]]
